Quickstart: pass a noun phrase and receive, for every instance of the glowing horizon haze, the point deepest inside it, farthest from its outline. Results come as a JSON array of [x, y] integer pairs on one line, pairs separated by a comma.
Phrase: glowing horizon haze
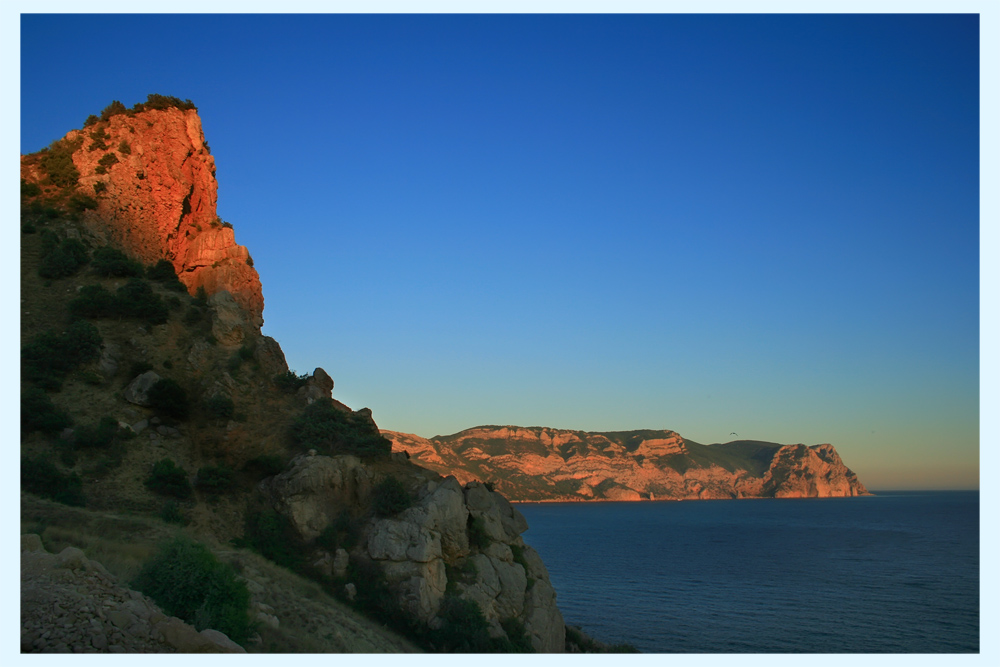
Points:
[[761, 224]]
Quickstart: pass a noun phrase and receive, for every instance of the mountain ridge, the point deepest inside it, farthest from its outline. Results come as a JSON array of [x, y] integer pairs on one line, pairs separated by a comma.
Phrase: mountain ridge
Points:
[[546, 464]]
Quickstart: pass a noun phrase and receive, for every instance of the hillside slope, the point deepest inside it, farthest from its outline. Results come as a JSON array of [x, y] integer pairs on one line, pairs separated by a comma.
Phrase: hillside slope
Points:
[[150, 398], [539, 463]]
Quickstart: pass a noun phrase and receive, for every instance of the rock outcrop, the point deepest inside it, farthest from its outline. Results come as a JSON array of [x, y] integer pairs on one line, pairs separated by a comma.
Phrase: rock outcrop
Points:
[[153, 179], [454, 540], [551, 464]]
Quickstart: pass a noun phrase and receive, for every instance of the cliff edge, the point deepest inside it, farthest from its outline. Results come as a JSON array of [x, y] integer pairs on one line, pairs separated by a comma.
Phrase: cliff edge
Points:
[[153, 180]]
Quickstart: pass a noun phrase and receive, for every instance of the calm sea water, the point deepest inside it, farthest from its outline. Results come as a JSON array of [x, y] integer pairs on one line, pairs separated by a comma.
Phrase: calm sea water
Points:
[[897, 572]]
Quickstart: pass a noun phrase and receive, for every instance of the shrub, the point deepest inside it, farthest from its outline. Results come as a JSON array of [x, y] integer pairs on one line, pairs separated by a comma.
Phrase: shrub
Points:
[[163, 272], [91, 120], [136, 299], [98, 435], [187, 581], [220, 407], [99, 187], [478, 537], [42, 478], [113, 109], [171, 513], [39, 413], [332, 431], [265, 465], [342, 533], [57, 161], [49, 357], [154, 101], [93, 301], [391, 497], [60, 258], [108, 160], [98, 137], [214, 480], [169, 480], [113, 263], [464, 629], [169, 398], [124, 148], [273, 537], [30, 189], [288, 382], [80, 203]]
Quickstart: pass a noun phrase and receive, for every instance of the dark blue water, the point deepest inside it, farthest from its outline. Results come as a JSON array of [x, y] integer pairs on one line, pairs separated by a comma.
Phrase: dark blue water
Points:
[[897, 572]]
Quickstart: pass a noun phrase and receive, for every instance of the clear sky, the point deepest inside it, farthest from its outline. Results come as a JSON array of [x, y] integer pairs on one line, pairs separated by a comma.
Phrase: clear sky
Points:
[[761, 224]]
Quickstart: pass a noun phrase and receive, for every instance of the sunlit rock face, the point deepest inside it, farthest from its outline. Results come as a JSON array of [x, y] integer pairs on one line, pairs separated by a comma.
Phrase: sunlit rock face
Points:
[[159, 201], [551, 464]]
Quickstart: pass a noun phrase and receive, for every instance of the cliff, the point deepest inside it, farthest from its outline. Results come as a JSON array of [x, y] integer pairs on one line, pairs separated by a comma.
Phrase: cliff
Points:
[[153, 180], [540, 463]]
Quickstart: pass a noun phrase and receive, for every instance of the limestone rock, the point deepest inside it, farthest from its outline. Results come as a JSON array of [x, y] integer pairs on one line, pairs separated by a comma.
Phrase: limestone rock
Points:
[[541, 463], [318, 385], [138, 389], [313, 489], [160, 199], [229, 320]]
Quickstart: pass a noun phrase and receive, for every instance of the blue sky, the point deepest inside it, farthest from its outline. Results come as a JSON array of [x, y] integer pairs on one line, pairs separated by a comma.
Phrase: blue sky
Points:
[[766, 224]]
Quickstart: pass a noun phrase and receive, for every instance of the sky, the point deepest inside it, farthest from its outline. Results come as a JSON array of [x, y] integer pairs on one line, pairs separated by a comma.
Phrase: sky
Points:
[[760, 224]]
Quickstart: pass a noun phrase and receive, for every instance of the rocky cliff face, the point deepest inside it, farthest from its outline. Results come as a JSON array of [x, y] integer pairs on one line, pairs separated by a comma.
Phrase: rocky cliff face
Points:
[[153, 178], [551, 464], [454, 540]]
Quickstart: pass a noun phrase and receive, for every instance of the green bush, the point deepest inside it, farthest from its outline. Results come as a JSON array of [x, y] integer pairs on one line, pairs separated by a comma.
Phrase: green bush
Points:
[[124, 148], [214, 480], [80, 203], [137, 300], [98, 137], [187, 581], [60, 258], [391, 497], [57, 161], [154, 101], [464, 629], [171, 513], [342, 533], [113, 263], [272, 536], [265, 465], [169, 399], [113, 109], [91, 120], [163, 272], [108, 160], [478, 537], [169, 480], [99, 187], [332, 431], [288, 382], [49, 357], [98, 435], [42, 478], [29, 189], [39, 413], [219, 407], [93, 301]]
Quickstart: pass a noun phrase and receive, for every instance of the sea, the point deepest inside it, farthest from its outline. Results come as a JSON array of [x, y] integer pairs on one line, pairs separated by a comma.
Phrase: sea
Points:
[[897, 572]]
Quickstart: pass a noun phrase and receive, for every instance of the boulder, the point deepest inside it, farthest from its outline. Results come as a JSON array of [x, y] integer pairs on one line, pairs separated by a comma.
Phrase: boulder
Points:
[[137, 391]]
